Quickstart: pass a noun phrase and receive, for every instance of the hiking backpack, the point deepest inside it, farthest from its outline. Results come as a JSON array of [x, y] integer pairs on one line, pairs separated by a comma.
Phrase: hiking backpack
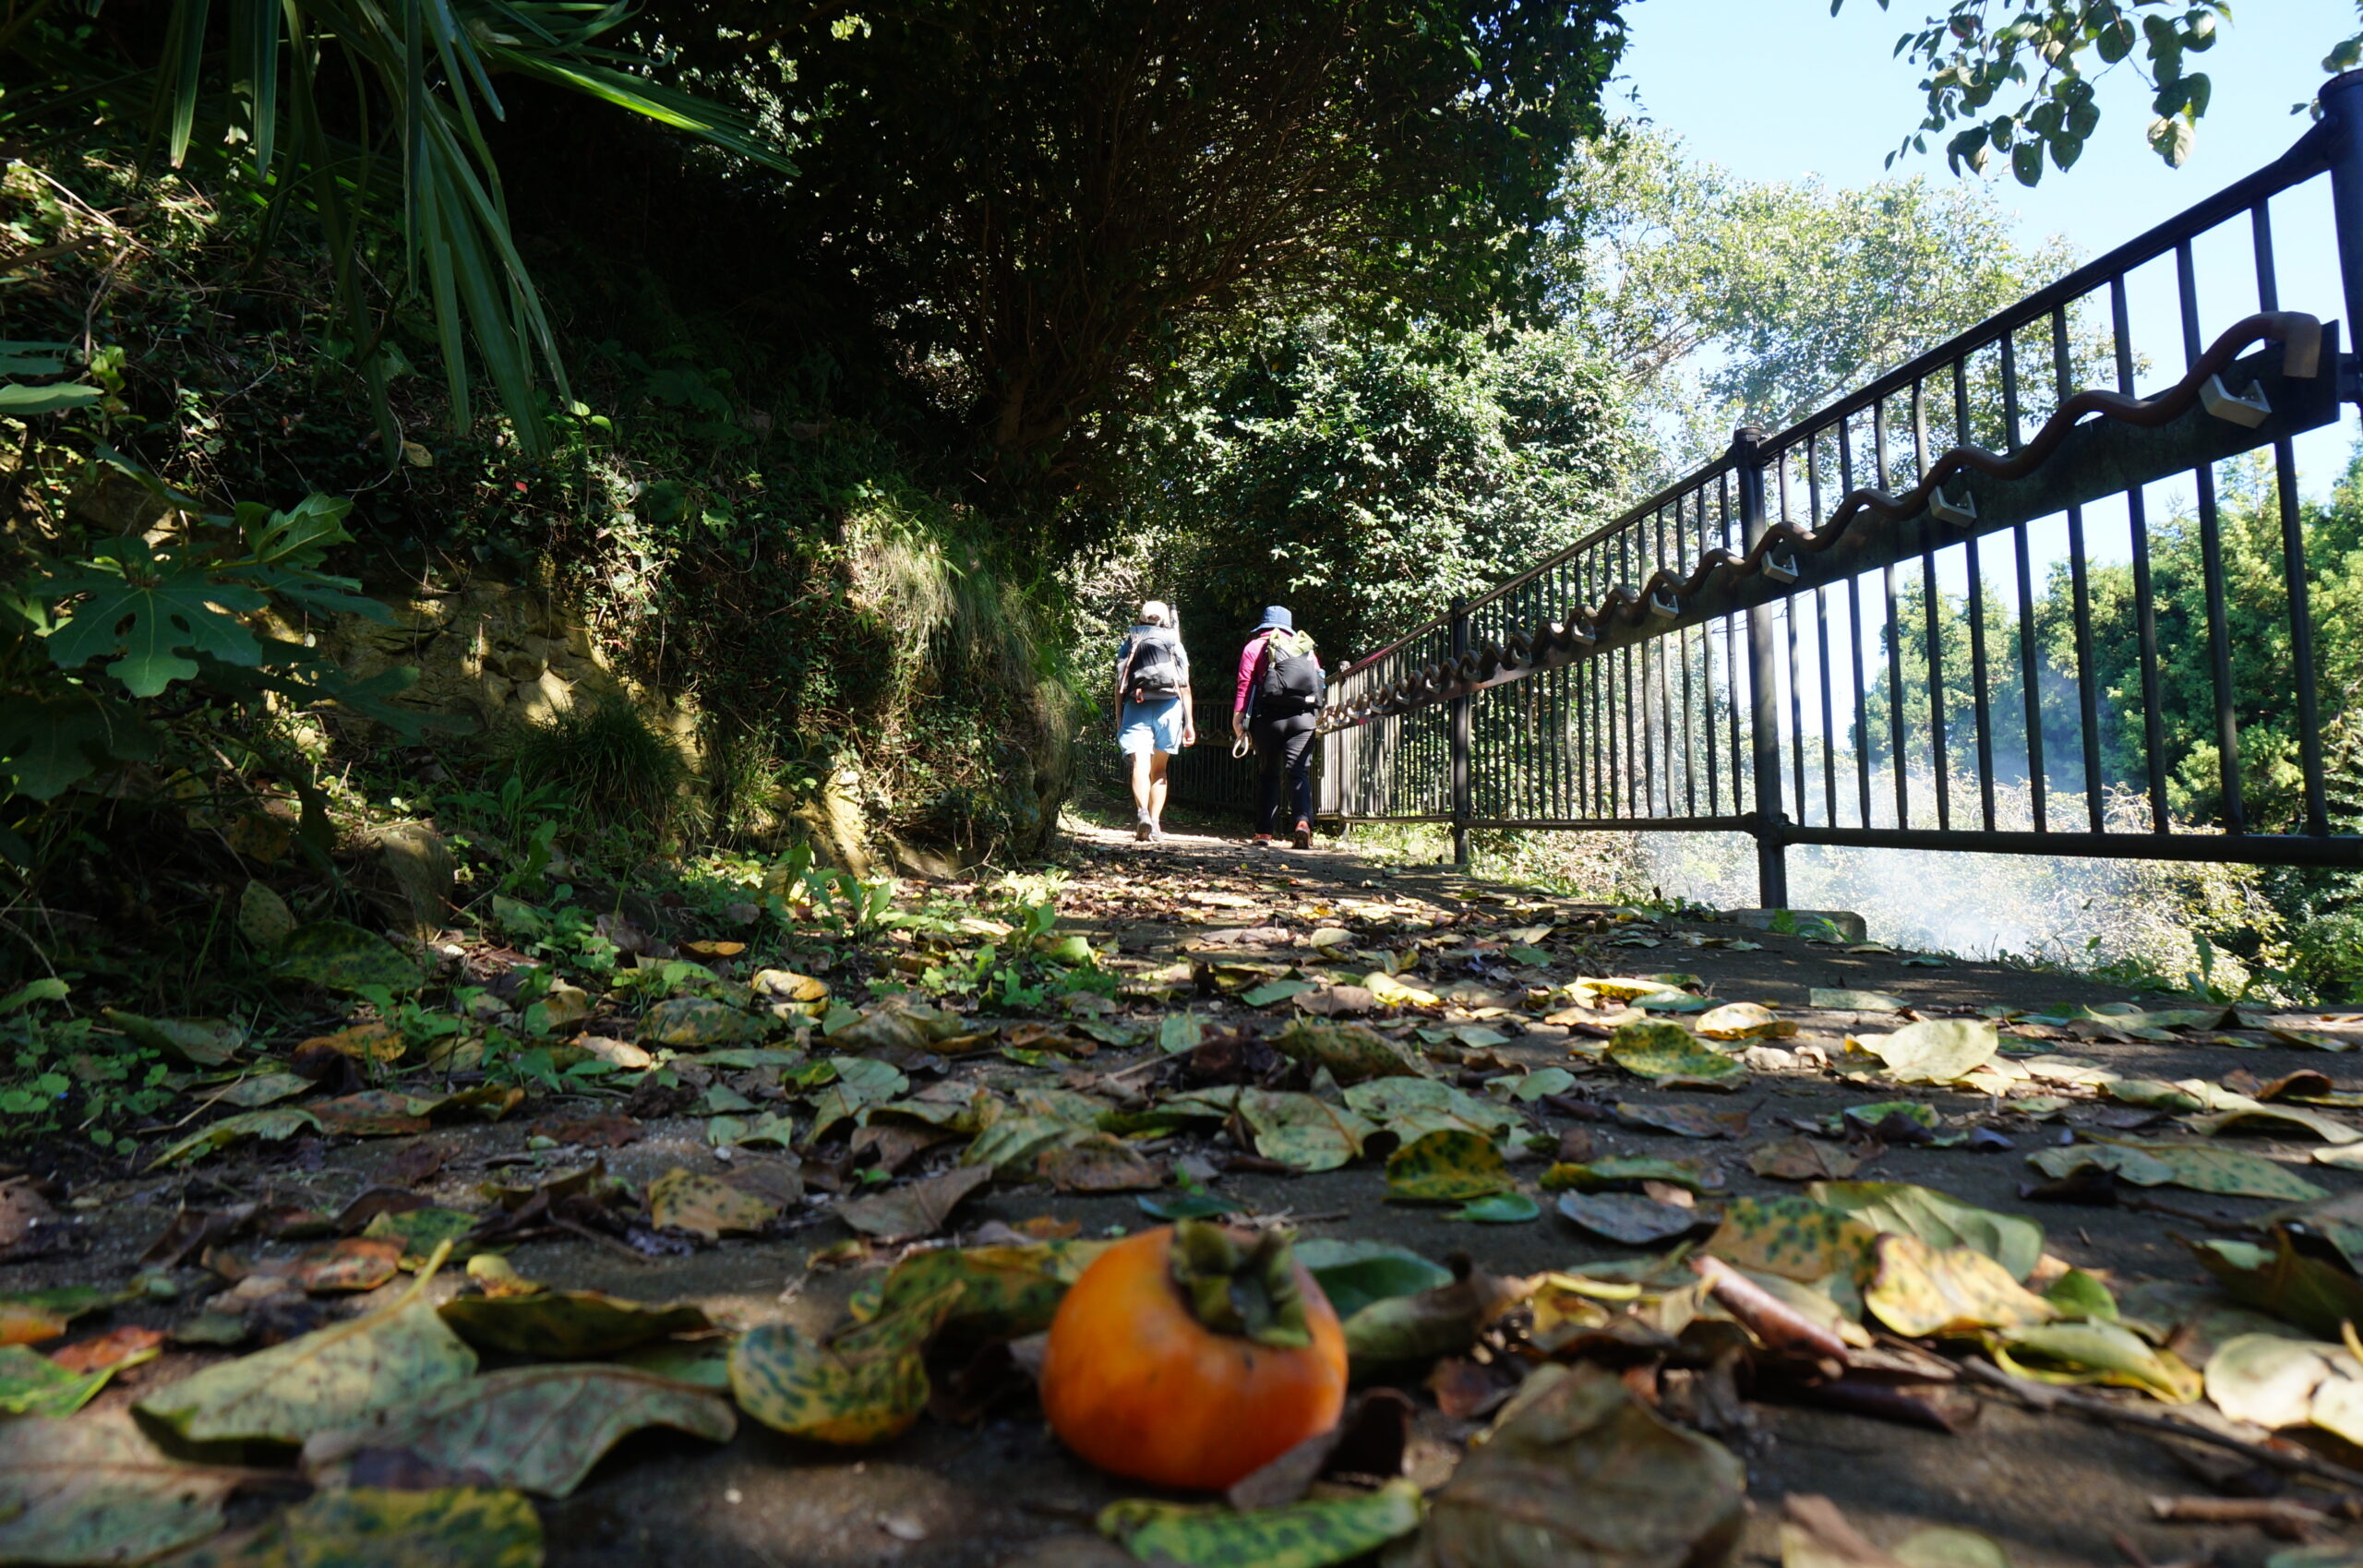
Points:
[[1291, 682], [1153, 670]]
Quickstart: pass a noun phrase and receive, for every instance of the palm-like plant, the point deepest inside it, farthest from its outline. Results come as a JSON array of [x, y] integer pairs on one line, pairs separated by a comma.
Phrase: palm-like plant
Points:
[[418, 74]]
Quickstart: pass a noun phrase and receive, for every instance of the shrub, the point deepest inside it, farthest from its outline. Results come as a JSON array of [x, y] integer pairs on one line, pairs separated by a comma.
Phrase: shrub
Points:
[[617, 767]]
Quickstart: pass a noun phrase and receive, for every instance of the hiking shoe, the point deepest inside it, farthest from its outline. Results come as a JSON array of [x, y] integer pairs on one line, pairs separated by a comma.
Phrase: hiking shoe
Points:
[[1142, 828], [1302, 837], [1261, 841]]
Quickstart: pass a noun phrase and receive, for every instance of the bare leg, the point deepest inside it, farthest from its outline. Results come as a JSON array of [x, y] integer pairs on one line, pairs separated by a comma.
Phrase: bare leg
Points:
[[1158, 763], [1145, 764]]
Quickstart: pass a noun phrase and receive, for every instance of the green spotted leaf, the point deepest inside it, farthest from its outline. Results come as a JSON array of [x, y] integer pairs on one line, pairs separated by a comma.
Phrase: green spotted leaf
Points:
[[1411, 1108], [340, 956], [565, 1325], [864, 1387], [1502, 1208], [370, 1528], [1302, 1535], [422, 1230], [1004, 1292], [331, 1377], [1351, 1052], [1669, 1055], [691, 1024], [95, 1489], [2229, 1173], [538, 1428], [1446, 1167], [2316, 1295], [1795, 1237]]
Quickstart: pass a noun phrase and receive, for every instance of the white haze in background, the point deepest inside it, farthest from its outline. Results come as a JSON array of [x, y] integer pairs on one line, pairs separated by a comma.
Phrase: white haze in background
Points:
[[2078, 912]]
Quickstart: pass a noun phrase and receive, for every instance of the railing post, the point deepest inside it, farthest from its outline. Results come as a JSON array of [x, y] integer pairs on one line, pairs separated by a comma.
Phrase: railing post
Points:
[[1461, 812], [1763, 687], [2342, 101]]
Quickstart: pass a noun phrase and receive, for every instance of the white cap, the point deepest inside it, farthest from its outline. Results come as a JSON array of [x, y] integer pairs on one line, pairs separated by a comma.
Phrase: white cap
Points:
[[1154, 613]]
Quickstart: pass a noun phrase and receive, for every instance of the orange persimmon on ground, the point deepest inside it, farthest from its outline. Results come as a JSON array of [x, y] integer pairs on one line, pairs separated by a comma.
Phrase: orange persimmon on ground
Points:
[[1194, 1366]]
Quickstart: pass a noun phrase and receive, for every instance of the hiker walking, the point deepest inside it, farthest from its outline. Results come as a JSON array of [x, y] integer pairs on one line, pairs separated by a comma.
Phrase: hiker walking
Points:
[[1153, 711], [1279, 693]]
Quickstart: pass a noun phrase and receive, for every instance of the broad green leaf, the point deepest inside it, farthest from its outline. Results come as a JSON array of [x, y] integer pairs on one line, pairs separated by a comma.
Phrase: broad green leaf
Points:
[[32, 1385], [536, 1428], [1446, 1167], [565, 1325], [422, 1230], [2316, 1295], [1502, 1208], [17, 399], [1667, 1054], [340, 956], [275, 1124], [1934, 1051], [2090, 1352], [374, 1527], [1272, 991], [94, 1490], [1302, 1535], [1004, 1292], [2256, 1117], [2230, 1173], [2081, 1297], [333, 1377], [202, 1042], [1938, 1219], [1919, 1289], [1354, 1273], [2127, 1164]]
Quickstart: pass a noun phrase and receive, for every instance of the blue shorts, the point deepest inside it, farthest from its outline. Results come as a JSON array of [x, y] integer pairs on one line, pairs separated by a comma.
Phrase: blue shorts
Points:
[[1150, 726]]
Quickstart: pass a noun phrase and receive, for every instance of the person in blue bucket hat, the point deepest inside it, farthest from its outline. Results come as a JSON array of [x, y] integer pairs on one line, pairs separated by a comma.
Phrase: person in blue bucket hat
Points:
[[1276, 708]]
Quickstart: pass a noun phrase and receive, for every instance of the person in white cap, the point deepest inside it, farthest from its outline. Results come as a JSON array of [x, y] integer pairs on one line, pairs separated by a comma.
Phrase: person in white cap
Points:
[[1153, 713]]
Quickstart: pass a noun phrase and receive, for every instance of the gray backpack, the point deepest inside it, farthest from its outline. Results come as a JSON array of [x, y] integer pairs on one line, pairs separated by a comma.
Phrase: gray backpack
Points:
[[1153, 671]]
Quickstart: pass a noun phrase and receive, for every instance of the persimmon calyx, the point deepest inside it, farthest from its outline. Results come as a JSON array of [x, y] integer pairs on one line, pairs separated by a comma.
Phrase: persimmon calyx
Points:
[[1246, 1287]]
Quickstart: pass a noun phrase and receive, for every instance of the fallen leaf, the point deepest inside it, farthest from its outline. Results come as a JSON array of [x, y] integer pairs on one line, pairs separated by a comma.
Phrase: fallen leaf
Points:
[[1934, 1051], [1684, 1121], [275, 1125], [339, 956], [1578, 1471], [1667, 1054], [1938, 1218], [2268, 1379], [1099, 1162], [1743, 1020], [2093, 1352], [1500, 1208], [200, 1042], [357, 1262], [689, 1023], [383, 1528], [1626, 1216], [1413, 1107], [914, 1208], [1795, 1237], [1445, 1167], [1803, 1159], [96, 1490], [331, 1377], [1444, 1321], [1351, 1052], [32, 1385], [1627, 1172], [1300, 1535], [536, 1428], [864, 1387], [1354, 1273], [1920, 1290], [2316, 1295], [680, 1199], [1303, 1132], [566, 1325], [117, 1347], [1834, 1000]]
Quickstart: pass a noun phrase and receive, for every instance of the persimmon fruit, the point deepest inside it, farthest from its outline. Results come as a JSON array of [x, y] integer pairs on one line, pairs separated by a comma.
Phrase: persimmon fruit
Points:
[[1192, 1359]]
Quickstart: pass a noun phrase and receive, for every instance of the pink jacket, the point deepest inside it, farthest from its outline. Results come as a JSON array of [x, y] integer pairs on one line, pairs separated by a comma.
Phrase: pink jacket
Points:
[[1249, 657]]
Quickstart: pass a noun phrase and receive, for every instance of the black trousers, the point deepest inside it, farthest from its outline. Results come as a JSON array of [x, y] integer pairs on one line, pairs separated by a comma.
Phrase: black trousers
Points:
[[1284, 747]]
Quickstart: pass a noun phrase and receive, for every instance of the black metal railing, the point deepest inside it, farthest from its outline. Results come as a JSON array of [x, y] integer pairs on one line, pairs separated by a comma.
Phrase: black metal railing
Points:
[[1770, 645]]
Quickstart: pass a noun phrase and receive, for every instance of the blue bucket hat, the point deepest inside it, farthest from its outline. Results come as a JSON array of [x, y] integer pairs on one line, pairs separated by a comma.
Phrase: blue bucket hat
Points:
[[1276, 618]]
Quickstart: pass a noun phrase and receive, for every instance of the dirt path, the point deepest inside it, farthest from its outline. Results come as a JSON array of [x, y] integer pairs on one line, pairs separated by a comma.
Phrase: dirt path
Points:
[[980, 1482]]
